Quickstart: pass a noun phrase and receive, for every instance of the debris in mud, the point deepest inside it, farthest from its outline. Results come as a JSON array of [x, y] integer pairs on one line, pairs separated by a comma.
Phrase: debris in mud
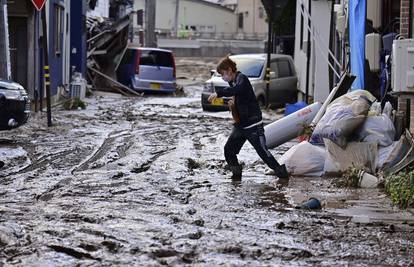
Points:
[[111, 246], [72, 252], [199, 222], [74, 103], [311, 204], [191, 211], [192, 164], [118, 175], [196, 235], [89, 247], [231, 250], [164, 253], [142, 168]]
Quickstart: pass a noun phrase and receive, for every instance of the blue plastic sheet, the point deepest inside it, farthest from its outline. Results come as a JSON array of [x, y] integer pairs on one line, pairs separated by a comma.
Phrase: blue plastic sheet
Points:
[[357, 11]]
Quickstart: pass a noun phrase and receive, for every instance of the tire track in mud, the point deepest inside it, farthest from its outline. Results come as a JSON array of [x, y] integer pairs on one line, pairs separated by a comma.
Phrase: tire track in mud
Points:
[[105, 147], [43, 162]]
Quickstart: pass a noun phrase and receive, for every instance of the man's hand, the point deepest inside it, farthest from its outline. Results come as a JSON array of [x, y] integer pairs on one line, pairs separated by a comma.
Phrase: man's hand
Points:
[[212, 97]]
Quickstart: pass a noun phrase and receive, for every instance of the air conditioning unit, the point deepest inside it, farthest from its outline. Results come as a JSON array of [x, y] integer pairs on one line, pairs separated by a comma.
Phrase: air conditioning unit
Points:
[[403, 65], [374, 12], [77, 87], [372, 50]]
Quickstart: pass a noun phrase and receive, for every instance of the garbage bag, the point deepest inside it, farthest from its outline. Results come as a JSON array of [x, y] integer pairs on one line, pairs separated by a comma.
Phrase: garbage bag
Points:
[[361, 155], [377, 129], [375, 109], [304, 159], [343, 116], [387, 109], [384, 154], [398, 152]]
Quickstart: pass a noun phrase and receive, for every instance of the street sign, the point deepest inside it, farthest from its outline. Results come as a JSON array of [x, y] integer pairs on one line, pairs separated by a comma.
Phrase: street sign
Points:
[[39, 4]]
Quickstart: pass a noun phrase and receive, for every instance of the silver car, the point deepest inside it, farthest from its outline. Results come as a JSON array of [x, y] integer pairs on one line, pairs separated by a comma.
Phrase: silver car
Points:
[[146, 69], [282, 87]]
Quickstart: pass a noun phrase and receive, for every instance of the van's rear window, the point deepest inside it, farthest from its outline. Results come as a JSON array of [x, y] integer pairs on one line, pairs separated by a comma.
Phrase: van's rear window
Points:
[[156, 58]]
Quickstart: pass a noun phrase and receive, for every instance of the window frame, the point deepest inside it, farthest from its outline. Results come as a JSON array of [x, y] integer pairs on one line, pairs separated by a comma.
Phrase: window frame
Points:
[[58, 30]]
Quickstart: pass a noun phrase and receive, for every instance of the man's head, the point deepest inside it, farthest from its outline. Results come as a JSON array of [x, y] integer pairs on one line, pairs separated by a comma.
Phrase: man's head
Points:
[[227, 69]]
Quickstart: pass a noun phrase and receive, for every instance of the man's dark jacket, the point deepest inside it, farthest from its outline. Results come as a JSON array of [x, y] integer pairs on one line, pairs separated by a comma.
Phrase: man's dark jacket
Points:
[[245, 100]]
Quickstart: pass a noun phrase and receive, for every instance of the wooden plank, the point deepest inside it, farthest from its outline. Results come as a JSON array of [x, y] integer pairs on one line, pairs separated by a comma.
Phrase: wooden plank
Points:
[[116, 82]]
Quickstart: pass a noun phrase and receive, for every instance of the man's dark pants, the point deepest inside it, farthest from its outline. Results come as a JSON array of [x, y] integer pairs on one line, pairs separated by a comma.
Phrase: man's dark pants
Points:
[[256, 138]]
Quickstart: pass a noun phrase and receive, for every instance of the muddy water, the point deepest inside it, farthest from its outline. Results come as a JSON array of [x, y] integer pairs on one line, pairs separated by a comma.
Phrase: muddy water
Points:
[[140, 182]]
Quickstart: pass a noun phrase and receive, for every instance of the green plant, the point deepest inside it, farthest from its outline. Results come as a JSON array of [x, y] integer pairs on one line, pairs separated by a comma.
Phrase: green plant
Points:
[[74, 103], [401, 189], [351, 177]]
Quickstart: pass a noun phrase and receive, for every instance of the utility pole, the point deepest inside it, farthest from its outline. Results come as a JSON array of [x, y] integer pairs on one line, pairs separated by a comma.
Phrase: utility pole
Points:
[[150, 38], [4, 42], [177, 9], [269, 51], [46, 71]]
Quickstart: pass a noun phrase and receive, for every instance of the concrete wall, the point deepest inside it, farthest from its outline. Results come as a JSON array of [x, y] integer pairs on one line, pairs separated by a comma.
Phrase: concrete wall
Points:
[[192, 13], [210, 48]]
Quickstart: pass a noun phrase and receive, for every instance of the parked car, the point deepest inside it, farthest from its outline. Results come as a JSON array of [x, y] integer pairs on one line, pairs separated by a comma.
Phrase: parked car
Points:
[[282, 87], [147, 69], [14, 105]]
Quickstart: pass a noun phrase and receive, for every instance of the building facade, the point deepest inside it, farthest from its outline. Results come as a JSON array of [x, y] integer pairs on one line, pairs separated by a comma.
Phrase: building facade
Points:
[[251, 19], [191, 19], [26, 45]]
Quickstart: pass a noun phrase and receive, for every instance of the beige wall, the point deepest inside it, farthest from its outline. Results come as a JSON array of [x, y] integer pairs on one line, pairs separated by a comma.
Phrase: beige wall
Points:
[[192, 13], [253, 22]]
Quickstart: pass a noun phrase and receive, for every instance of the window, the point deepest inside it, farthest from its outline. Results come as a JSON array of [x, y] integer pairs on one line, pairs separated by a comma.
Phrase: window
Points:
[[58, 29], [261, 12], [156, 58], [240, 20], [273, 67], [249, 66], [283, 68], [140, 17]]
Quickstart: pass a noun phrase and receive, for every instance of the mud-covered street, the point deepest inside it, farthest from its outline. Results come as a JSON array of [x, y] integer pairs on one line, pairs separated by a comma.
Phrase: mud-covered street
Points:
[[140, 181]]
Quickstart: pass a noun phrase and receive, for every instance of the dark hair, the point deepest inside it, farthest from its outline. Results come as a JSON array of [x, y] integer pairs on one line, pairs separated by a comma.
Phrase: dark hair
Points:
[[225, 64]]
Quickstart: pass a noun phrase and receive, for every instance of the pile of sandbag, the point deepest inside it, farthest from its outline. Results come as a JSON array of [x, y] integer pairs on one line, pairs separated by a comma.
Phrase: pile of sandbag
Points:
[[353, 132]]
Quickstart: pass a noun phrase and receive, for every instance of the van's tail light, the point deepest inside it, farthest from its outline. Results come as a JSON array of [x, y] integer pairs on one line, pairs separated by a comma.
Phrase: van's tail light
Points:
[[138, 58], [174, 68]]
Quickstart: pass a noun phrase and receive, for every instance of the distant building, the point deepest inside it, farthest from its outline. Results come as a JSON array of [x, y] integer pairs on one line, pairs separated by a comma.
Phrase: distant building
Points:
[[196, 18], [251, 19]]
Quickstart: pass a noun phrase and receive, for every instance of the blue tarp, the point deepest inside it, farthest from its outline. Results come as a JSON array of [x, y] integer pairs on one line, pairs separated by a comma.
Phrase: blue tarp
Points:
[[357, 11]]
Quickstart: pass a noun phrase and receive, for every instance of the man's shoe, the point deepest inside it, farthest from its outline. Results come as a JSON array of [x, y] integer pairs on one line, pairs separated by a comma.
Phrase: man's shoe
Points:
[[237, 172], [281, 172]]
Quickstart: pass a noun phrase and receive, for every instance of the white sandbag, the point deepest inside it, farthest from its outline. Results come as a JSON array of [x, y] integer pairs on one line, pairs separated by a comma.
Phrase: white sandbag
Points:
[[343, 117], [304, 159], [384, 154], [289, 127], [357, 154], [377, 129]]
